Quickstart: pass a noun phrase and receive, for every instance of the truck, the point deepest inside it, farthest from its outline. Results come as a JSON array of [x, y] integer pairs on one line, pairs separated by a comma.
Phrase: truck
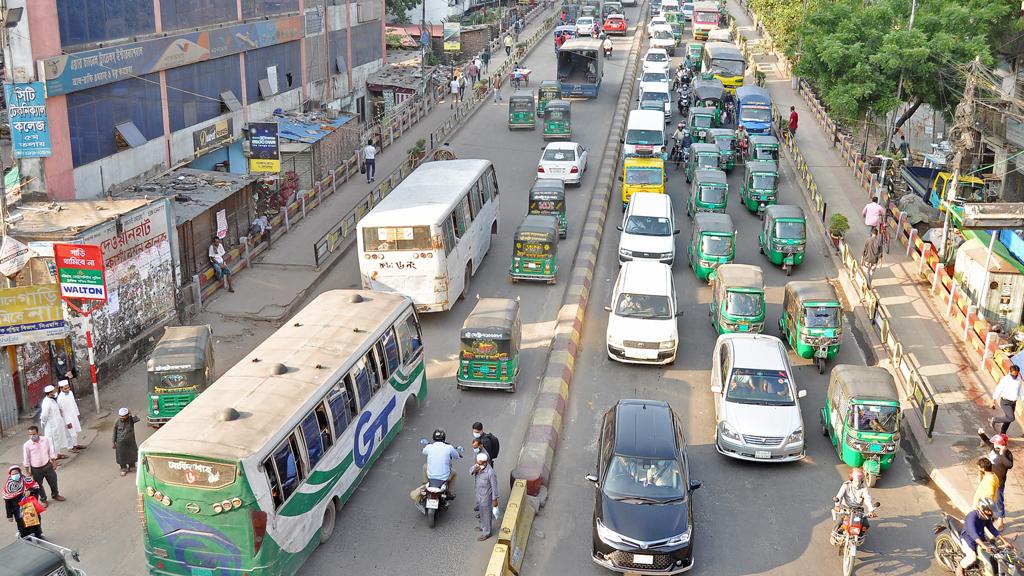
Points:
[[932, 184], [579, 67]]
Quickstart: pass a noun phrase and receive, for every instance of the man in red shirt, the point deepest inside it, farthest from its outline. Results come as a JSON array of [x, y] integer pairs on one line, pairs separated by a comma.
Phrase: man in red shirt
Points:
[[792, 121]]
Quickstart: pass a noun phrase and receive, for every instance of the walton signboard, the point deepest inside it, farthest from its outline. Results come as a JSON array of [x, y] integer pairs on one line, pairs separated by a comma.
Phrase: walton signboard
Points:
[[80, 271]]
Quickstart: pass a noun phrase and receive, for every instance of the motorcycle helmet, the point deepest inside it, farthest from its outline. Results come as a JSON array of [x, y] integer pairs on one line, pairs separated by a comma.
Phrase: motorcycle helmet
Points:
[[439, 435], [1000, 439], [985, 504]]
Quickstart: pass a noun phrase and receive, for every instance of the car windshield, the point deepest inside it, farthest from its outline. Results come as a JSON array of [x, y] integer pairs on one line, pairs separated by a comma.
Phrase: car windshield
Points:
[[744, 304], [875, 418], [656, 57], [764, 181], [663, 34], [660, 97], [756, 115], [764, 387], [648, 226], [647, 306], [716, 245], [560, 155], [654, 77], [707, 160], [822, 316], [724, 142], [645, 137], [727, 67], [790, 230], [649, 176], [712, 194], [652, 480], [702, 121]]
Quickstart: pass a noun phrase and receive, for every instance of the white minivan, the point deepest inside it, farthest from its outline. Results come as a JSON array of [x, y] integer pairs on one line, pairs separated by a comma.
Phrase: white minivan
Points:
[[645, 133], [648, 229], [655, 96], [642, 324]]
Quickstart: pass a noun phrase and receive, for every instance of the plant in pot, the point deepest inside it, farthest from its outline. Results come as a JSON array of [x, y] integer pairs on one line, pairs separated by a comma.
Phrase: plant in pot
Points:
[[838, 226], [417, 152]]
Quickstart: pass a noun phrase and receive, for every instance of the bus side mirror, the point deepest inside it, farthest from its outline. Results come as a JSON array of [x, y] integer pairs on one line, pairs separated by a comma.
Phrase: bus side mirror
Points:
[[674, 232]]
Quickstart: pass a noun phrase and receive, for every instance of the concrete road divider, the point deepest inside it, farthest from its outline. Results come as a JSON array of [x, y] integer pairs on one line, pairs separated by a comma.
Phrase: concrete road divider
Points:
[[498, 564], [515, 527]]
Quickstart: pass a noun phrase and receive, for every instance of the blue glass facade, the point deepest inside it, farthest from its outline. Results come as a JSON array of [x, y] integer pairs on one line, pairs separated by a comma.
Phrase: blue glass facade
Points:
[[253, 8], [89, 21], [93, 113], [193, 91], [182, 14], [287, 58]]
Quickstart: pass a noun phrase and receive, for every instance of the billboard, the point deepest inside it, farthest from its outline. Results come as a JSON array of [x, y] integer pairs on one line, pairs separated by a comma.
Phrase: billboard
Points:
[[31, 314], [30, 129], [452, 36], [264, 147], [80, 271]]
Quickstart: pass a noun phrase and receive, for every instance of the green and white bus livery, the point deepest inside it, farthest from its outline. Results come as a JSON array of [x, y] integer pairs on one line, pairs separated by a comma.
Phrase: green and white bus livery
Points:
[[248, 478]]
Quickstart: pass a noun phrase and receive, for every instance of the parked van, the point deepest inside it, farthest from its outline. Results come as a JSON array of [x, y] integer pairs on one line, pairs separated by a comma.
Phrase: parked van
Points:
[[645, 133], [642, 324], [648, 229], [655, 96]]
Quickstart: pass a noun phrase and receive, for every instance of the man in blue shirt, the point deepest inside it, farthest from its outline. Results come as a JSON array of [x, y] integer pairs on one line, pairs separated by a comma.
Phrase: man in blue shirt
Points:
[[973, 535], [439, 461]]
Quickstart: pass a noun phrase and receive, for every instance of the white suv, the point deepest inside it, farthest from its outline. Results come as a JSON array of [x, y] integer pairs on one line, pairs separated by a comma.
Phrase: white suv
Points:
[[648, 229], [642, 324]]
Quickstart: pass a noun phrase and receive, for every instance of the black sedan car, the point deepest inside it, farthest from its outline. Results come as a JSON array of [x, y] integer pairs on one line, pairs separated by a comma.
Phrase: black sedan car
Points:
[[643, 519]]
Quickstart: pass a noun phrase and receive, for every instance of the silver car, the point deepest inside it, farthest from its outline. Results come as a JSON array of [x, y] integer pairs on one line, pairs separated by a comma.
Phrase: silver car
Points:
[[757, 408]]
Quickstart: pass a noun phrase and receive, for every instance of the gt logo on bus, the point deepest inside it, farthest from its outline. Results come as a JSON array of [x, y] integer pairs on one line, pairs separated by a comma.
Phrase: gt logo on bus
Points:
[[366, 432]]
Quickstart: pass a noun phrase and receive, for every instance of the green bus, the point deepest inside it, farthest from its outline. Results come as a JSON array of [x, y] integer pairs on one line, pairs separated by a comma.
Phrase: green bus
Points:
[[249, 477]]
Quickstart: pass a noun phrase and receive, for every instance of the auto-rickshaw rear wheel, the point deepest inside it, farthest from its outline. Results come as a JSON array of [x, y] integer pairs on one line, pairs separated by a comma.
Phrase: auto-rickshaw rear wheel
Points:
[[821, 418], [871, 479], [819, 363]]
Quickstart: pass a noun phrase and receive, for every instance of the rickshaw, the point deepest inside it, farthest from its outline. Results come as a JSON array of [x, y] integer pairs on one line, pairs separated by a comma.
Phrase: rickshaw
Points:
[[31, 556], [737, 299], [572, 13], [547, 198], [763, 147], [861, 417], [489, 346], [812, 320], [521, 111], [547, 91], [708, 193], [557, 122], [760, 185], [179, 369], [783, 236], [642, 174], [568, 31], [702, 156], [535, 249], [699, 121], [712, 243], [709, 93], [725, 140]]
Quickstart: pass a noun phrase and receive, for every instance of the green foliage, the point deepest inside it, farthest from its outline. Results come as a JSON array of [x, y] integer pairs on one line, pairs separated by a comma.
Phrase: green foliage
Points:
[[781, 19], [838, 225], [396, 9], [393, 41]]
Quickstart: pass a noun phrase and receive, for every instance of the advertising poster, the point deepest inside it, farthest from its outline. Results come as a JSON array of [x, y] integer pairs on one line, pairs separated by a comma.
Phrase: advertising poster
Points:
[[264, 147]]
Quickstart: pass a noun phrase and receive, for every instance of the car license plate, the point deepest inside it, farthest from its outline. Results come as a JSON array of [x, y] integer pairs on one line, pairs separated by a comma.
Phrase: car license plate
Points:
[[531, 265], [202, 571], [432, 504], [646, 354], [875, 448], [762, 454], [643, 559]]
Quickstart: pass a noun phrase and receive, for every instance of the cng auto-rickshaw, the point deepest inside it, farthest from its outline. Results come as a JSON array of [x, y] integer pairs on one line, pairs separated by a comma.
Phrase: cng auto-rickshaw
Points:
[[558, 122], [712, 243], [709, 93], [763, 147], [31, 556], [737, 299], [547, 91], [547, 198], [521, 110], [783, 236], [535, 249], [725, 140], [861, 417], [709, 192], [699, 121], [695, 52], [760, 185], [489, 346], [702, 156], [179, 369], [642, 174], [812, 320]]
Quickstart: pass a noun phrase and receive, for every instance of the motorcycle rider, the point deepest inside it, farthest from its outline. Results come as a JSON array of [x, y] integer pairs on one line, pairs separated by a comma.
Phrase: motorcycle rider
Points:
[[440, 455], [973, 534], [741, 140], [854, 494], [607, 45]]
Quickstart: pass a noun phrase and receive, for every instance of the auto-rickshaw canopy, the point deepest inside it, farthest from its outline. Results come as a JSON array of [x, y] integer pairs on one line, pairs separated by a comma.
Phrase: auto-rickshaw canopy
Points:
[[714, 177], [703, 149], [493, 319], [801, 292], [182, 348], [784, 212], [869, 383], [740, 276], [704, 89], [549, 90], [558, 110], [762, 167], [548, 190], [521, 101], [33, 557], [698, 112], [713, 223], [537, 236]]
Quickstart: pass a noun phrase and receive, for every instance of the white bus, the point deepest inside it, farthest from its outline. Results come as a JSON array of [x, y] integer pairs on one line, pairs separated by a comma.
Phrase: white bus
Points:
[[248, 478], [429, 235]]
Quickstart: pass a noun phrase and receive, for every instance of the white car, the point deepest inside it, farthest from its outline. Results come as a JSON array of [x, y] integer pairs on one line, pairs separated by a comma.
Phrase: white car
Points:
[[687, 10], [642, 320], [655, 21], [648, 229], [662, 37], [656, 76], [585, 26], [565, 161], [757, 407], [656, 59]]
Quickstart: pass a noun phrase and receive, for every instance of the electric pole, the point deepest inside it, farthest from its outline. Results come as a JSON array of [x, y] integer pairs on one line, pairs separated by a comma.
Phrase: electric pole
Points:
[[961, 137]]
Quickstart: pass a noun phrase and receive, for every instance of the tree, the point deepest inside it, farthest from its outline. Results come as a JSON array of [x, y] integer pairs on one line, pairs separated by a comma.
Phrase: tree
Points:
[[397, 9], [782, 19]]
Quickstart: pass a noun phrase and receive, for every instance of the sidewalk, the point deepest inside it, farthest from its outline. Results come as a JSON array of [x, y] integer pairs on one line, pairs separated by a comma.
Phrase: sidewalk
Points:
[[962, 395]]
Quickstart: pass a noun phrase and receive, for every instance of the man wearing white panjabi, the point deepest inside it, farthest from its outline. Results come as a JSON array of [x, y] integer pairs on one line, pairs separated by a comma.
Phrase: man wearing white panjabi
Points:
[[52, 421], [69, 407]]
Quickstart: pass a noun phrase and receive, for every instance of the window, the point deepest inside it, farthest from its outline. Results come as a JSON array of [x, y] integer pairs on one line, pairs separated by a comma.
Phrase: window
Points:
[[93, 114], [199, 87], [485, 189], [396, 238], [388, 348], [288, 468], [88, 21], [180, 14], [275, 486], [474, 199], [493, 178], [467, 215], [342, 401], [448, 235], [375, 365], [315, 447], [256, 8], [362, 373], [286, 57], [409, 338]]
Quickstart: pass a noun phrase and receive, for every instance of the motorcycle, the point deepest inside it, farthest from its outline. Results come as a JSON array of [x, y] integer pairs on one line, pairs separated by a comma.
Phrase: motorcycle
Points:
[[850, 534], [1001, 561], [434, 495], [608, 52]]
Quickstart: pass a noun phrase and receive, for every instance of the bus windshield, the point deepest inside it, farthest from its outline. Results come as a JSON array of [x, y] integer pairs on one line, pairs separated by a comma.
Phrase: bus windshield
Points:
[[643, 176], [751, 114], [706, 17], [724, 67], [646, 137], [393, 239]]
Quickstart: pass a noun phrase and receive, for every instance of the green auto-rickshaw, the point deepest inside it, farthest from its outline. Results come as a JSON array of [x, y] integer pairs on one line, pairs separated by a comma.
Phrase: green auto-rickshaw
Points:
[[712, 243], [862, 417], [699, 121], [489, 346], [535, 249], [179, 369], [783, 236], [547, 91], [694, 53], [547, 198], [708, 93], [737, 299], [709, 192], [760, 185], [725, 140], [812, 320], [763, 147], [521, 111], [557, 122], [677, 31], [702, 156]]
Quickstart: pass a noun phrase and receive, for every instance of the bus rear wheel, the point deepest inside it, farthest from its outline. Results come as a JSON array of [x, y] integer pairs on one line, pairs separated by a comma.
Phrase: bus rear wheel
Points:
[[465, 283], [327, 525]]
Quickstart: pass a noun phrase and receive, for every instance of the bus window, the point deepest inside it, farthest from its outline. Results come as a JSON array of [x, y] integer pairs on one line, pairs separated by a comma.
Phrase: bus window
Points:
[[467, 215], [485, 191], [324, 424], [389, 349], [493, 179], [409, 339], [361, 377], [289, 469], [474, 199], [448, 234], [275, 486], [311, 434], [375, 366], [343, 405]]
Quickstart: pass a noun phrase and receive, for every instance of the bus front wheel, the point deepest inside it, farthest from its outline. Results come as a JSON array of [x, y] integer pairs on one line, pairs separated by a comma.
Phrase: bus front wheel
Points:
[[327, 526]]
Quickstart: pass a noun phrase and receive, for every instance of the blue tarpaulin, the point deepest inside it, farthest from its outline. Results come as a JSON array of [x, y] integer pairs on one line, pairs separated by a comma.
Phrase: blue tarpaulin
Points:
[[307, 133]]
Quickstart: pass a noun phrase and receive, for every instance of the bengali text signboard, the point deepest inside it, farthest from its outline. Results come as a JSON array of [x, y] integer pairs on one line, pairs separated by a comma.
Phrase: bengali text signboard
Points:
[[26, 110], [31, 314], [80, 271]]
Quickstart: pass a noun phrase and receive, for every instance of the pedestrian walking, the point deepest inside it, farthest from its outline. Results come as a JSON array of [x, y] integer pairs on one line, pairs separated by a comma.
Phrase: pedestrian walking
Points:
[[53, 423], [462, 87], [69, 408], [453, 89], [486, 491], [904, 148], [988, 483], [485, 58], [488, 440], [1002, 461], [872, 255], [873, 213], [17, 486], [1007, 394], [794, 119], [508, 44], [125, 448], [220, 269], [496, 84], [370, 160], [39, 458], [474, 71]]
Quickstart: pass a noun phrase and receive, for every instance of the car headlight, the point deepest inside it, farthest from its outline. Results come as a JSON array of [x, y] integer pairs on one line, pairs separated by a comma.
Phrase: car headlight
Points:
[[796, 437], [726, 431], [854, 443], [679, 539], [625, 252], [617, 342], [667, 344], [609, 536]]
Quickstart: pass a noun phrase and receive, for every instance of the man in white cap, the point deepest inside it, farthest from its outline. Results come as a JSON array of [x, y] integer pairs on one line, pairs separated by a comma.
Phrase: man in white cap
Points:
[[52, 421], [126, 449], [69, 408], [486, 492]]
